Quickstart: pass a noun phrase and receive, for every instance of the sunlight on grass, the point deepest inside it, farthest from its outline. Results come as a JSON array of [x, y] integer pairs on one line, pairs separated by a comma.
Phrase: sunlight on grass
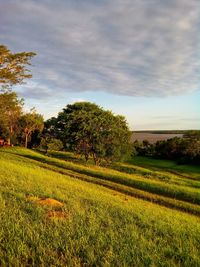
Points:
[[94, 226]]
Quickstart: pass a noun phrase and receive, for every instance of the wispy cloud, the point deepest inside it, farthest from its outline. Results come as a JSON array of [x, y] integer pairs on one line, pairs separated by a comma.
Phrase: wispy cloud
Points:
[[128, 47]]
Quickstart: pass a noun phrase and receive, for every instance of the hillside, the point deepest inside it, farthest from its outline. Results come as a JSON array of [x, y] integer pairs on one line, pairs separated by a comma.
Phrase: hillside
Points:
[[57, 211]]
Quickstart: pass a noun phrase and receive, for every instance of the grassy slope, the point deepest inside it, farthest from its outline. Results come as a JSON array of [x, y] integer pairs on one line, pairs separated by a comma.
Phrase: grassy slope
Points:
[[185, 170], [103, 226]]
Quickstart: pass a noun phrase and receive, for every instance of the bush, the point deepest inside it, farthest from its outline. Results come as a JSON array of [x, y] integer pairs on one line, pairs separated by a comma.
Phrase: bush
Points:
[[55, 144], [50, 144]]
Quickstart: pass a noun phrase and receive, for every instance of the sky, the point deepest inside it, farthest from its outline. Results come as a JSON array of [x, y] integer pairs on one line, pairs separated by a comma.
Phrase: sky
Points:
[[138, 58]]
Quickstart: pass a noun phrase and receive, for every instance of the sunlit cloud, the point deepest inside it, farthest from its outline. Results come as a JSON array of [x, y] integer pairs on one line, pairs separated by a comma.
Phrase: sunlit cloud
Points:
[[124, 47]]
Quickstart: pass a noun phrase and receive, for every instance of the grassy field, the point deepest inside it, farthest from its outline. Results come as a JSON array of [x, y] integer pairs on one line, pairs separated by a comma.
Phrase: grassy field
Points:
[[57, 211]]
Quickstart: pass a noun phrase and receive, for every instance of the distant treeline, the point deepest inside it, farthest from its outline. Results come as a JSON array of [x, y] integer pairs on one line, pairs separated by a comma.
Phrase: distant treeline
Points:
[[164, 131], [183, 150]]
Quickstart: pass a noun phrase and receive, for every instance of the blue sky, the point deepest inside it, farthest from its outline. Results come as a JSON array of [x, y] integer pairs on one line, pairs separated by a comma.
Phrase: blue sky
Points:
[[138, 58]]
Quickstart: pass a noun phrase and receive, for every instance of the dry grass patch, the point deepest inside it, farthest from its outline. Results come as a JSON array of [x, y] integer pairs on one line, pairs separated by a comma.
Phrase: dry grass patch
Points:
[[57, 215], [56, 212], [46, 201]]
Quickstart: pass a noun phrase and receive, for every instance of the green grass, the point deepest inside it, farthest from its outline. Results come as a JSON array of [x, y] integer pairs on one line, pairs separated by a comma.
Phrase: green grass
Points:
[[105, 225], [168, 189], [144, 164], [137, 186], [186, 170]]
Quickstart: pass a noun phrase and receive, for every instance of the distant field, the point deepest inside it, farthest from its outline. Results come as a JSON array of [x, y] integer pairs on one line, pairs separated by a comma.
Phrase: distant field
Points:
[[56, 210], [153, 137]]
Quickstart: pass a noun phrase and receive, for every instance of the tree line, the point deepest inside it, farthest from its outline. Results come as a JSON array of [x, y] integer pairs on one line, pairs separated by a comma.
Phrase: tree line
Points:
[[16, 126], [182, 150]]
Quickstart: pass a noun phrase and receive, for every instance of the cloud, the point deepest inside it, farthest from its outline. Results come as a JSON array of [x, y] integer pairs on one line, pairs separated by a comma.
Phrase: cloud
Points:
[[124, 47], [34, 90]]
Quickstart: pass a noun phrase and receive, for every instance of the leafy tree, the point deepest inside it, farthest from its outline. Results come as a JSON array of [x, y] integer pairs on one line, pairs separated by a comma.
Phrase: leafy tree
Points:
[[55, 145], [11, 109], [168, 149], [13, 66], [30, 122], [44, 144], [183, 150], [144, 148], [190, 151], [35, 139], [136, 147], [192, 134], [51, 128], [90, 131], [51, 144]]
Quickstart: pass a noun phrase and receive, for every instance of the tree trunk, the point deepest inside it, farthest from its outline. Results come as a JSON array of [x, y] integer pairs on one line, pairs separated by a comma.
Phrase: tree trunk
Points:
[[96, 159], [9, 138], [8, 141], [26, 140], [86, 157]]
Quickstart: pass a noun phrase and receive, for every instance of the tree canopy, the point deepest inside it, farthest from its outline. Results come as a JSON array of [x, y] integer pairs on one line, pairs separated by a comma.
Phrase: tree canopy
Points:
[[13, 66], [183, 150], [11, 110], [29, 122], [89, 130]]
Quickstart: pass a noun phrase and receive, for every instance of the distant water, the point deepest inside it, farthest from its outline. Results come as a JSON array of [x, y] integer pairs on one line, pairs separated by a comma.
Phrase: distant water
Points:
[[153, 137]]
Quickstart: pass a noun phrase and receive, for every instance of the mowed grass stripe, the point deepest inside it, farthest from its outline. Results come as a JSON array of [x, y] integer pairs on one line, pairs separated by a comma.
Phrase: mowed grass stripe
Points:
[[168, 177], [159, 175], [154, 198], [191, 195], [165, 201]]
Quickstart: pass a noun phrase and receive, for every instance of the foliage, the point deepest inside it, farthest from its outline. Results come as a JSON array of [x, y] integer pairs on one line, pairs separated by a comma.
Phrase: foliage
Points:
[[11, 110], [43, 144], [90, 131], [143, 148], [29, 122], [190, 151], [12, 71], [183, 150], [51, 144], [192, 134], [55, 145], [51, 128], [169, 149], [35, 139], [14, 124], [13, 66]]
